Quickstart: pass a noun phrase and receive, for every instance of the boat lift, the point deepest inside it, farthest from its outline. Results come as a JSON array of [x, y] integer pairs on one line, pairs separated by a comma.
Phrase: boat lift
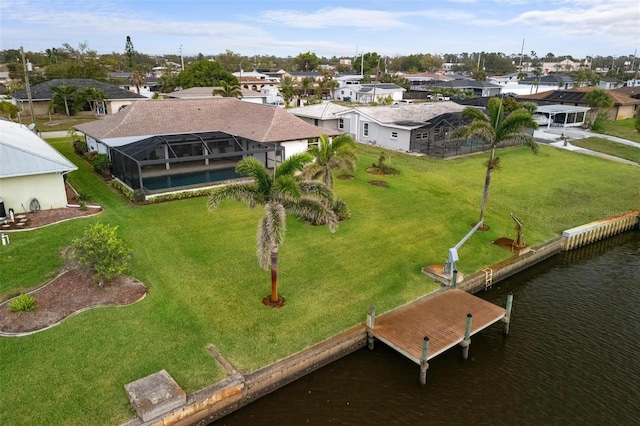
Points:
[[450, 265]]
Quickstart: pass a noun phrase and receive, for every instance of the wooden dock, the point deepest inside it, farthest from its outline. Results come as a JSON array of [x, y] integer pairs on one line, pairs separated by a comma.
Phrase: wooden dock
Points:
[[442, 318]]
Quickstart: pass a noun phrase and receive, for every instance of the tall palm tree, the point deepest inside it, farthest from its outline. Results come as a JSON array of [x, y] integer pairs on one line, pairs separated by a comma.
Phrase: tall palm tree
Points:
[[494, 129], [279, 193], [287, 89], [306, 85], [338, 154], [228, 90], [332, 85]]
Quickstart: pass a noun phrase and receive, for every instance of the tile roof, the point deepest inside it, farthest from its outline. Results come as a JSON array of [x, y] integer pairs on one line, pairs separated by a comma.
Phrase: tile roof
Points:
[[577, 94], [257, 122], [23, 153], [44, 91]]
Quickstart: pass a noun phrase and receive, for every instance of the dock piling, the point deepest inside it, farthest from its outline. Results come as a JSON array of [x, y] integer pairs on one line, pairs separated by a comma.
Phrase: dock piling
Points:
[[454, 278], [371, 321], [467, 338], [424, 365], [507, 315]]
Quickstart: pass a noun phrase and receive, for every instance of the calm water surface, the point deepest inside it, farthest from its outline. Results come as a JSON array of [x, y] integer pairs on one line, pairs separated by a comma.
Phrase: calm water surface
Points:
[[572, 358]]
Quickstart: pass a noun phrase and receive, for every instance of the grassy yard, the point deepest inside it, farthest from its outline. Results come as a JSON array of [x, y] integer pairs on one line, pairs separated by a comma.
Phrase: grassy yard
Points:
[[205, 285], [624, 129], [57, 122], [605, 146]]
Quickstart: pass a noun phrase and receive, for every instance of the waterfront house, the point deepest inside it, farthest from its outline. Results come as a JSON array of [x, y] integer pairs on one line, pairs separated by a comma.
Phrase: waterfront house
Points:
[[161, 144]]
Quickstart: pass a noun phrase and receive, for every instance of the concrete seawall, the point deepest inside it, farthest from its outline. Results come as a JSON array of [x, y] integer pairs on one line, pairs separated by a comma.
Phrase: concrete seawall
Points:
[[238, 390]]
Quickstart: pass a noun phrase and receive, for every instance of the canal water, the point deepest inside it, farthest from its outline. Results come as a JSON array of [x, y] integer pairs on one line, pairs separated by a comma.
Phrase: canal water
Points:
[[572, 357]]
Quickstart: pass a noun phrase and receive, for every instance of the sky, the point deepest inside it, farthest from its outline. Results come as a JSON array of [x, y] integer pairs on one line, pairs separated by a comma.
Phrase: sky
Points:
[[327, 28]]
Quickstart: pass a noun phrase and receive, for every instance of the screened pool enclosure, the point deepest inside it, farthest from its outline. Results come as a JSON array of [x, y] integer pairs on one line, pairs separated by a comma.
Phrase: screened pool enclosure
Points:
[[159, 163]]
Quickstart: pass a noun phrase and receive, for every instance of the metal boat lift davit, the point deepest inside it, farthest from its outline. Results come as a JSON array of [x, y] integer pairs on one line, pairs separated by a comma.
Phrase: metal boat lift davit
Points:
[[450, 265]]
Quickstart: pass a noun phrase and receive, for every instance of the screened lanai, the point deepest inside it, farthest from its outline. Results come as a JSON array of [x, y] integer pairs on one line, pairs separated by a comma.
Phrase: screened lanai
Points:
[[160, 162]]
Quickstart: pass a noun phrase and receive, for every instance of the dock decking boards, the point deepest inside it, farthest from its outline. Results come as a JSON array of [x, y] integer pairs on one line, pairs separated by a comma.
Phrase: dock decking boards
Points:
[[442, 318]]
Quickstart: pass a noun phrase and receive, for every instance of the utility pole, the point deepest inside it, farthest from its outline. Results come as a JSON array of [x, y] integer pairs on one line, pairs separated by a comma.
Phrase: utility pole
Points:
[[27, 85], [521, 52], [181, 59]]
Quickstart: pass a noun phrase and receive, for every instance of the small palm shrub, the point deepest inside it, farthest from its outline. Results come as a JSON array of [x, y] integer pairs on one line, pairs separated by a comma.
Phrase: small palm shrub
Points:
[[341, 209], [23, 303]]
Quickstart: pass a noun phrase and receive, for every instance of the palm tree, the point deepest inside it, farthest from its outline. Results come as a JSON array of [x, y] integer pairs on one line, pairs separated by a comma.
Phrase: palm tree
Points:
[[332, 85], [494, 129], [228, 90], [598, 100], [137, 79], [305, 85], [278, 193], [287, 89], [338, 154], [64, 94], [93, 95]]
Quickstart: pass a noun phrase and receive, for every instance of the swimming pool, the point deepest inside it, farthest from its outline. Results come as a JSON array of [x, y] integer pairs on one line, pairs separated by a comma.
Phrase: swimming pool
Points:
[[188, 179]]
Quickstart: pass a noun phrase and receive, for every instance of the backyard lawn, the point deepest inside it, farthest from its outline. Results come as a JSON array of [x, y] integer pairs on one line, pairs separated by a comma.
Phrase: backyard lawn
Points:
[[624, 129], [205, 285], [606, 146]]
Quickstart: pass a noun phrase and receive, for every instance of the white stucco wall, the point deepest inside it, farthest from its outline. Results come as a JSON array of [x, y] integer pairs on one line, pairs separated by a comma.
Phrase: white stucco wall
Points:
[[48, 189]]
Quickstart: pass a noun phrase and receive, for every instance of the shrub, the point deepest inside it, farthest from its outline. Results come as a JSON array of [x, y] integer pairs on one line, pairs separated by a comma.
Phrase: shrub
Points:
[[89, 156], [23, 303], [80, 147], [101, 164], [102, 251], [341, 209], [140, 195]]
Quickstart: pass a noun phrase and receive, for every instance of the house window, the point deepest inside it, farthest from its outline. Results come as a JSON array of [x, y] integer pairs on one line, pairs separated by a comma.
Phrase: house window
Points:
[[365, 129], [315, 122], [312, 142], [341, 123], [342, 92], [394, 135]]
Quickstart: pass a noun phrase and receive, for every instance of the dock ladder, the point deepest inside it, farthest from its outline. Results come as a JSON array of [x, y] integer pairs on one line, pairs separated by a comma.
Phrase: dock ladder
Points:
[[488, 278]]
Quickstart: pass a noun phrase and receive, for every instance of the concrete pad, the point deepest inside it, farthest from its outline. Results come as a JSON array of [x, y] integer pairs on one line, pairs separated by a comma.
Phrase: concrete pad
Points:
[[155, 395]]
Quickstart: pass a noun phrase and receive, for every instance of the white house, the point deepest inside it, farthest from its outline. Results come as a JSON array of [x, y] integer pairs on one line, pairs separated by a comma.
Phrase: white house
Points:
[[367, 93], [393, 126], [31, 170], [321, 115]]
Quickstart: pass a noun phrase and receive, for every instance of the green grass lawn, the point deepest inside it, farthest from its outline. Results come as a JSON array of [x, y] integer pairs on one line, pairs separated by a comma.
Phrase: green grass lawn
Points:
[[56, 122], [205, 285], [605, 146], [624, 129]]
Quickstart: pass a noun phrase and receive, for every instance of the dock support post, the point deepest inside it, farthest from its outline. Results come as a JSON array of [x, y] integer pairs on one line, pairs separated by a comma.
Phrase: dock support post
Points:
[[424, 365], [467, 338], [507, 315], [454, 278], [371, 321]]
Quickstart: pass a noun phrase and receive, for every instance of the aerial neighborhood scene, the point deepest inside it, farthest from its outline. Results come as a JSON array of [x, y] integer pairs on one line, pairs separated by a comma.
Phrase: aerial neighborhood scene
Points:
[[345, 212]]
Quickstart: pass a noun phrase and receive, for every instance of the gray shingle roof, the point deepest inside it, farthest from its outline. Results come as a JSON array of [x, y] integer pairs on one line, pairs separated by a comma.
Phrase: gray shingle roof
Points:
[[414, 115], [261, 123], [23, 153], [44, 91]]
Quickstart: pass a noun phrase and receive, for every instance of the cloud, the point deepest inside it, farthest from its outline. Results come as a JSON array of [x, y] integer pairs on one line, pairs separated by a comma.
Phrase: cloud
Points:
[[336, 17], [617, 19]]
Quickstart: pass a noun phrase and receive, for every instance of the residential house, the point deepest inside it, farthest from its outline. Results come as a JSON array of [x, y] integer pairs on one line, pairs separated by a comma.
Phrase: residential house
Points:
[[148, 89], [31, 171], [322, 115], [623, 106], [162, 144], [41, 95], [266, 95], [423, 81], [408, 128], [299, 76], [474, 87], [367, 93], [608, 83], [547, 82]]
